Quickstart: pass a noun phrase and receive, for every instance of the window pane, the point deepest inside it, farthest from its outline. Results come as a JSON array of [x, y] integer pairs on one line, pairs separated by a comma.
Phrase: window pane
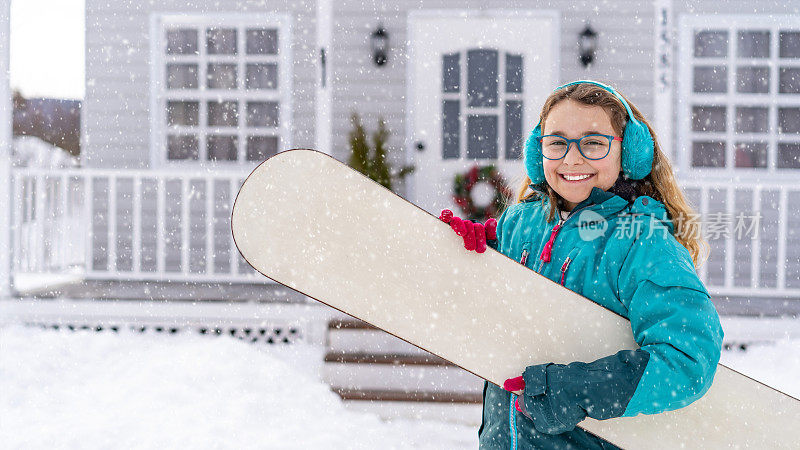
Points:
[[221, 41], [482, 78], [262, 114], [788, 120], [451, 133], [451, 72], [221, 76], [262, 76], [708, 154], [182, 147], [183, 113], [182, 42], [513, 73], [513, 130], [752, 119], [789, 81], [790, 44], [752, 79], [482, 133], [753, 44], [711, 79], [223, 114], [221, 148], [708, 118], [260, 148], [261, 41], [181, 76], [750, 154], [788, 156], [708, 44]]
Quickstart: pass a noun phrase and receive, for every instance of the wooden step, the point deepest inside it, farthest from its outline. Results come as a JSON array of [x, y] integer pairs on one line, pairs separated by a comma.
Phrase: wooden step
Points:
[[350, 324], [373, 341], [396, 359], [399, 377], [411, 396]]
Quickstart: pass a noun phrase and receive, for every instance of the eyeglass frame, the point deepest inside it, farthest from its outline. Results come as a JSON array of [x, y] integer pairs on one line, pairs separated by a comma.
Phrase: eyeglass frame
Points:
[[577, 142]]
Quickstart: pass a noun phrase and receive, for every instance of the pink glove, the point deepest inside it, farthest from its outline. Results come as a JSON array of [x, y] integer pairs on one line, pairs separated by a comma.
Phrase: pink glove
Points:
[[474, 234], [514, 385]]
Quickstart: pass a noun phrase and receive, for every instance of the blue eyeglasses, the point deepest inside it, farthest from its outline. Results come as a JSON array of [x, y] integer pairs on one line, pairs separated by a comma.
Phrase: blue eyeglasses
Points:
[[591, 146]]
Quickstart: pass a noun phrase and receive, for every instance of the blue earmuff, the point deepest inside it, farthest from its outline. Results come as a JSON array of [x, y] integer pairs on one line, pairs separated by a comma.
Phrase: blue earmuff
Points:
[[637, 144]]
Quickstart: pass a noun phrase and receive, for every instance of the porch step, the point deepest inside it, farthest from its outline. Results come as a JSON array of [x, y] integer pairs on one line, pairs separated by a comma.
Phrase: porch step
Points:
[[392, 359], [369, 340], [400, 377], [412, 396], [367, 366]]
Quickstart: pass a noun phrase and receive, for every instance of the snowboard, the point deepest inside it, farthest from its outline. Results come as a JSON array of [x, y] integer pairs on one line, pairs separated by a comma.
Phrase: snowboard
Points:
[[309, 222]]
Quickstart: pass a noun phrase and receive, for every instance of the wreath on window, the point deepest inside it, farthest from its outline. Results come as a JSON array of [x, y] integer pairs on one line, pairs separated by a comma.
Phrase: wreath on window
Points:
[[462, 192]]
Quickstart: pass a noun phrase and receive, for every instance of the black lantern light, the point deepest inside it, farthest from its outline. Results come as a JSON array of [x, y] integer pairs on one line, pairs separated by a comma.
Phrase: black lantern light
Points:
[[587, 44], [379, 42]]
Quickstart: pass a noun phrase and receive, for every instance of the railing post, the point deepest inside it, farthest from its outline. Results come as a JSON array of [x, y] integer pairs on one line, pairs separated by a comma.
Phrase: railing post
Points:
[[6, 118]]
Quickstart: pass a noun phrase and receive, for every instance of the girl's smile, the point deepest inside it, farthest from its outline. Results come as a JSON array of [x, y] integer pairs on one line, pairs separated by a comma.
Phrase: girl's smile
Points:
[[573, 176]]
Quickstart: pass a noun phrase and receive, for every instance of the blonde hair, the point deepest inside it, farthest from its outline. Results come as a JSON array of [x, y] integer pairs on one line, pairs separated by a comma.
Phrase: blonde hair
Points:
[[659, 184]]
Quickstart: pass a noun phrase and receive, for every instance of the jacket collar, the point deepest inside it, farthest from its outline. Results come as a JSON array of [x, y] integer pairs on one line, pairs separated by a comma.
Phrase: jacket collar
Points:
[[622, 196]]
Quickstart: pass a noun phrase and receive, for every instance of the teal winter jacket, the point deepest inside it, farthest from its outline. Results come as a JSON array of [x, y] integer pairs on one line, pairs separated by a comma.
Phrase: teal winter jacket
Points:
[[622, 254]]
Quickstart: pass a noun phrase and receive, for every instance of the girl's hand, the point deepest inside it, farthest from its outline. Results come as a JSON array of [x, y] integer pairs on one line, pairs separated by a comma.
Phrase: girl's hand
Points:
[[474, 234], [515, 385]]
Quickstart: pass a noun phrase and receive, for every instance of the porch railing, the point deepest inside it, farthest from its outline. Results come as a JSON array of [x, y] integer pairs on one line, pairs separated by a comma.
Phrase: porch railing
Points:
[[126, 225], [157, 225], [753, 230]]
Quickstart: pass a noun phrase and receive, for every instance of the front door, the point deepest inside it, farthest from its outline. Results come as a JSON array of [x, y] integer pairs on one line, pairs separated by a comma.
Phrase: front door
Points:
[[477, 81]]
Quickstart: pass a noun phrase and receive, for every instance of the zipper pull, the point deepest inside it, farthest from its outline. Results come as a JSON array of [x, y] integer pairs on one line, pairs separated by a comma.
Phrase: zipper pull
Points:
[[564, 269], [548, 248], [524, 258]]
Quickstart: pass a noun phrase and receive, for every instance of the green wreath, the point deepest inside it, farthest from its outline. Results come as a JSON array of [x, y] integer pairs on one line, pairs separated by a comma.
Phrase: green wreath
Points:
[[462, 192]]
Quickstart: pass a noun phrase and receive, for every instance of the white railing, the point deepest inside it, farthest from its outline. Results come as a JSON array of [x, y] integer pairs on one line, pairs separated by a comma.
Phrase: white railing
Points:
[[127, 225], [753, 230], [158, 225]]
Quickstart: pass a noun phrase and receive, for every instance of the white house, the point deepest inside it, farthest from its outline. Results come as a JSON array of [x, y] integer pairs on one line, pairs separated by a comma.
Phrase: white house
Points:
[[184, 99]]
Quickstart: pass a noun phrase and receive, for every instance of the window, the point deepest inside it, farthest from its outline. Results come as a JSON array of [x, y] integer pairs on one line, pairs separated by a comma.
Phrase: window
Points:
[[221, 92], [740, 94], [485, 86]]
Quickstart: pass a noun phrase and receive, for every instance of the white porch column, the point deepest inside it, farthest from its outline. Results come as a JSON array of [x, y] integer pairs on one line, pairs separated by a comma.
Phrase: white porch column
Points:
[[322, 132], [6, 117]]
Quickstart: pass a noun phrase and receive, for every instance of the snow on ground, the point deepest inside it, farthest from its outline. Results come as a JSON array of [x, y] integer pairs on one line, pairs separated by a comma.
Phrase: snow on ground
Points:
[[62, 389], [776, 365]]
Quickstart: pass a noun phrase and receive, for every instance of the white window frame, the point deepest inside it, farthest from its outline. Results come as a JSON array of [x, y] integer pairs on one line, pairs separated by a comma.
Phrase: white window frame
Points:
[[159, 95], [731, 23]]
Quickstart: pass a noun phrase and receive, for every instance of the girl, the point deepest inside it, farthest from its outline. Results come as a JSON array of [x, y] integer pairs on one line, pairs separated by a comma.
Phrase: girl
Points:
[[606, 219]]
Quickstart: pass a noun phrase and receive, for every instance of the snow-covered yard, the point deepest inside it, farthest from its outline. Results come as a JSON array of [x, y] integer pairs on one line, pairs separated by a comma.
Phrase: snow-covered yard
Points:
[[61, 389]]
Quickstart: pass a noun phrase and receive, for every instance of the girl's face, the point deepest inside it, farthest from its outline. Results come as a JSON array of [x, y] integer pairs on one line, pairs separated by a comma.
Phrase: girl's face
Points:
[[574, 120]]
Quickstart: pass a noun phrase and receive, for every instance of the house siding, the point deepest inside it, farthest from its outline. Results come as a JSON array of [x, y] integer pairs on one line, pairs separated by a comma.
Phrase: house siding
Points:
[[116, 116]]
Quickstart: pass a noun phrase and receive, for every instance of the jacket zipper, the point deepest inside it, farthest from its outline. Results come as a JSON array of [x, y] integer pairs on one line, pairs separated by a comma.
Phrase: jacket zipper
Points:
[[553, 234], [564, 268], [524, 258]]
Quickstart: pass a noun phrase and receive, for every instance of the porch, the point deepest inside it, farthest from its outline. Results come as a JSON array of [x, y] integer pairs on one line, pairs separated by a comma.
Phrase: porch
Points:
[[127, 234]]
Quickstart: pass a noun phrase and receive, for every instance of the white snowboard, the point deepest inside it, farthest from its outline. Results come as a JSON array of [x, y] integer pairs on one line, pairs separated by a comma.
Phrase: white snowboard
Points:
[[313, 224]]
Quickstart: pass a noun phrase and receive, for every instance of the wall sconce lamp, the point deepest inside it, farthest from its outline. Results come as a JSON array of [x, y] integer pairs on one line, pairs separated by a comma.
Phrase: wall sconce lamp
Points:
[[587, 44], [379, 42]]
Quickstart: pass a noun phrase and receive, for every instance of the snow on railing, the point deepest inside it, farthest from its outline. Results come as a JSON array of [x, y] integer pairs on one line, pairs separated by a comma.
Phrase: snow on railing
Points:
[[127, 225]]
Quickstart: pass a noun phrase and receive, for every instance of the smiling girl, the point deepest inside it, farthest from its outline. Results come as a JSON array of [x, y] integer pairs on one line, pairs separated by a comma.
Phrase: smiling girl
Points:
[[593, 159]]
